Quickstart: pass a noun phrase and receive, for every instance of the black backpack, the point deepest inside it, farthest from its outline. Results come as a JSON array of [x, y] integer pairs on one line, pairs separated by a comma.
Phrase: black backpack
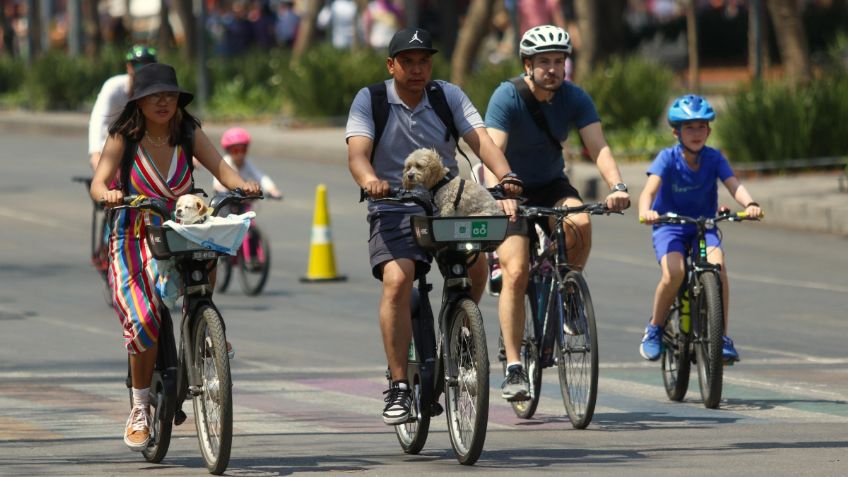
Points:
[[436, 96], [130, 147]]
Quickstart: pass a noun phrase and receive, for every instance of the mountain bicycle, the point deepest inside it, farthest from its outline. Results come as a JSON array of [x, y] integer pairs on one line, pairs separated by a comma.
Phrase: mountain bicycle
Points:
[[559, 328], [454, 360], [99, 250], [253, 259], [695, 323], [198, 365]]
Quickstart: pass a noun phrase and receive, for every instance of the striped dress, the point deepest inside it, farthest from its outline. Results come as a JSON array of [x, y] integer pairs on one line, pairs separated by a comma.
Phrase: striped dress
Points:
[[133, 274]]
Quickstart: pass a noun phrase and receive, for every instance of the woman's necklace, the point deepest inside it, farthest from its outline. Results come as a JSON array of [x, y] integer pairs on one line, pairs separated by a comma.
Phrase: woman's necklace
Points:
[[156, 141]]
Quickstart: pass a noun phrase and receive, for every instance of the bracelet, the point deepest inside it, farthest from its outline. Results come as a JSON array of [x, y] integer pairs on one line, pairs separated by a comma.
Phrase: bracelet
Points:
[[749, 204], [509, 175]]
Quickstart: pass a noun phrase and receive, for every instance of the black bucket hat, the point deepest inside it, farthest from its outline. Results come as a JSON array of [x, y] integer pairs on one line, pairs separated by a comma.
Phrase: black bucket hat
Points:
[[411, 39], [158, 78]]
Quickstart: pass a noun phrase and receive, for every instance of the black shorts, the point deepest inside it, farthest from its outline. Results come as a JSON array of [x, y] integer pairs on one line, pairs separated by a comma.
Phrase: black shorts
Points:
[[391, 238], [547, 196]]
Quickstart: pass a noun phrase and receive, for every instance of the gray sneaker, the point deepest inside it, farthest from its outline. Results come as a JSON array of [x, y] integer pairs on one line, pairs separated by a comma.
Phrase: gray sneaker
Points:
[[515, 386]]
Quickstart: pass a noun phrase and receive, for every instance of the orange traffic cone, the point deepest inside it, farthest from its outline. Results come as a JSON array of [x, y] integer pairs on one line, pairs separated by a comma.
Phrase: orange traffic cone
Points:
[[322, 264]]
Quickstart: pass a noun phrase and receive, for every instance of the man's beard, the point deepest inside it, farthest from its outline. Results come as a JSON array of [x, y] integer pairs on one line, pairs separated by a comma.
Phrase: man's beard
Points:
[[547, 87]]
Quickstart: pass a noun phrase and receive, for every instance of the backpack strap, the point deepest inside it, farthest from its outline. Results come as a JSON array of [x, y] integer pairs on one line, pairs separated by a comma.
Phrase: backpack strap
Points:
[[535, 109], [379, 111]]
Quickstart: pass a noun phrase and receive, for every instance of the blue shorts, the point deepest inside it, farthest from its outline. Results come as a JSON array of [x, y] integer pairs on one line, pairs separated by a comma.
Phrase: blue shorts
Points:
[[680, 238]]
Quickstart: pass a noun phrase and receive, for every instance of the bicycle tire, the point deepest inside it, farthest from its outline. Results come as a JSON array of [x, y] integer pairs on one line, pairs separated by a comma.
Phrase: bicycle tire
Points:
[[578, 378], [225, 272], [213, 406], [708, 349], [529, 359], [412, 435], [676, 353], [254, 275], [161, 431], [467, 392]]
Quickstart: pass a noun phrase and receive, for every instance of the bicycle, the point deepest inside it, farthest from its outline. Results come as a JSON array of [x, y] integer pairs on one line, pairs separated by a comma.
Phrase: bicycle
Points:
[[199, 365], [99, 249], [695, 323], [253, 259], [454, 360], [560, 320]]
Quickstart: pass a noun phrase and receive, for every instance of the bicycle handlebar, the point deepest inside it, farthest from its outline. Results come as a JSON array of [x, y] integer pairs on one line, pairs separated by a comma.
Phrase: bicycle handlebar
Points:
[[672, 218], [593, 208], [160, 206], [403, 196]]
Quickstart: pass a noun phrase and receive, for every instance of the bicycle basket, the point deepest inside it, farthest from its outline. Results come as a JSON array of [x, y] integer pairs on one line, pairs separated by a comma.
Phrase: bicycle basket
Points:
[[471, 234], [165, 243]]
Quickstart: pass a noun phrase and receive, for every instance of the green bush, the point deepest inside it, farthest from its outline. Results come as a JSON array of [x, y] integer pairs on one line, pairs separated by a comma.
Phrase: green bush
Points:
[[639, 143], [11, 74], [627, 91], [482, 82], [773, 122]]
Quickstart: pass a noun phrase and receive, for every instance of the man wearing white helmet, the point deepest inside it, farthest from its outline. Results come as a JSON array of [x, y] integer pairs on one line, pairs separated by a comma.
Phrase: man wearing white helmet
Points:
[[529, 117]]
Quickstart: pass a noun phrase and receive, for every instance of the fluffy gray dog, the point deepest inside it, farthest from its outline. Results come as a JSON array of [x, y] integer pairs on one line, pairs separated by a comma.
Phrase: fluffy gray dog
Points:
[[423, 167]]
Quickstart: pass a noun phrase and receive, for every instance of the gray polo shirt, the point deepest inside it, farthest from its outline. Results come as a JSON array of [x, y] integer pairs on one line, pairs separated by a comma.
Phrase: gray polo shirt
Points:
[[409, 129]]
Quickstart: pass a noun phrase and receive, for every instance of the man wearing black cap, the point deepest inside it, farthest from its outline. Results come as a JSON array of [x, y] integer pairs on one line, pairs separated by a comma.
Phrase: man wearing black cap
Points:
[[411, 103]]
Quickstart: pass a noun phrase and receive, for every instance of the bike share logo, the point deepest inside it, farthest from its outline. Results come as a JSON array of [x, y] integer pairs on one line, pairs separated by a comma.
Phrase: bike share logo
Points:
[[473, 229]]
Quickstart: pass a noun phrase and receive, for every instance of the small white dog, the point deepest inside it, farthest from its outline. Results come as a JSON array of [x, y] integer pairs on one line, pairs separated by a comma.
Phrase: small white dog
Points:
[[423, 167], [191, 210]]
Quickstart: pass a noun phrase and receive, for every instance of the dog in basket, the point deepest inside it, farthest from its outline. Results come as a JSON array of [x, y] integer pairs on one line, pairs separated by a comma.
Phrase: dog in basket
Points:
[[453, 196], [191, 209]]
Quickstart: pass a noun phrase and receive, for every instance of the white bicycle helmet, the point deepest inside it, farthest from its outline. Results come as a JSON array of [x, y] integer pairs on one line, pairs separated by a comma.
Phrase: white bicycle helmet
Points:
[[544, 38]]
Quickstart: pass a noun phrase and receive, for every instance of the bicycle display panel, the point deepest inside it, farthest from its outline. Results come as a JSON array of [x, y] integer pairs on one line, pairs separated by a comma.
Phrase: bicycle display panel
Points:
[[439, 232]]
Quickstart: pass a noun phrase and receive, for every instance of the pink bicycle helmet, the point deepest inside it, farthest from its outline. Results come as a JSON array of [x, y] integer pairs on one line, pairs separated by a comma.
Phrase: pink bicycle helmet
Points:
[[235, 136]]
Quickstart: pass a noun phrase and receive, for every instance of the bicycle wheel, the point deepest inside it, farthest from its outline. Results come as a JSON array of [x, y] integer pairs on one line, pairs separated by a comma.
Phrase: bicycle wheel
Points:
[[708, 350], [412, 435], [577, 353], [213, 406], [467, 381], [676, 358], [160, 436], [529, 359], [225, 272], [254, 269]]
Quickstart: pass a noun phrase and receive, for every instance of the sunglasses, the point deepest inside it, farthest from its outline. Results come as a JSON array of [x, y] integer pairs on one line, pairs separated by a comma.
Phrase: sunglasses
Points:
[[156, 98]]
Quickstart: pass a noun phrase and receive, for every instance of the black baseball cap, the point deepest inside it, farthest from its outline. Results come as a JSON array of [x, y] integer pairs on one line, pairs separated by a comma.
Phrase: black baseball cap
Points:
[[411, 39]]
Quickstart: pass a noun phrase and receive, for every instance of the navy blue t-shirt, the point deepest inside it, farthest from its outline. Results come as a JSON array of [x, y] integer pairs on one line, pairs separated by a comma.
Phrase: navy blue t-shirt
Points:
[[684, 191], [529, 151]]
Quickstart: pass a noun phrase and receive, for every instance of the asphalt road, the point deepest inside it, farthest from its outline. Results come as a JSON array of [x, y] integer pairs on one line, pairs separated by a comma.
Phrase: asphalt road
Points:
[[309, 364]]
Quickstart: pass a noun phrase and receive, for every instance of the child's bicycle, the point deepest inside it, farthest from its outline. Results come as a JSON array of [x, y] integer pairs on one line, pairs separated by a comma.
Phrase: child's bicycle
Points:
[[695, 323], [455, 359], [253, 260], [99, 250], [198, 365]]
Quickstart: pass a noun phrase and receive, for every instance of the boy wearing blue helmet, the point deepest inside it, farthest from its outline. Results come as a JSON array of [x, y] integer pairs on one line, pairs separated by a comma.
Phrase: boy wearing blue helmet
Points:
[[682, 179]]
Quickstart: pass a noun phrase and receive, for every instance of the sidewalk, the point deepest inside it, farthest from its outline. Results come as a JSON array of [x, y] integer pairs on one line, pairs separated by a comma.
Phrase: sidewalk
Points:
[[804, 201]]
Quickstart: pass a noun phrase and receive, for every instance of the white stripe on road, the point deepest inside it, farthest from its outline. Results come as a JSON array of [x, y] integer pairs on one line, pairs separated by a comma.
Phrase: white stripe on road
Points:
[[34, 219]]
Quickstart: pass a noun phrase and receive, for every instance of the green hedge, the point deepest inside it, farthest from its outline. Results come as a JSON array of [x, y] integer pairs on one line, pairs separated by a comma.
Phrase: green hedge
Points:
[[773, 122]]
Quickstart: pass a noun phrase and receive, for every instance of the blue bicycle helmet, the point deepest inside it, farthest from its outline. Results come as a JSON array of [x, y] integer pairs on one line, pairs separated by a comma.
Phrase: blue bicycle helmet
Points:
[[690, 107]]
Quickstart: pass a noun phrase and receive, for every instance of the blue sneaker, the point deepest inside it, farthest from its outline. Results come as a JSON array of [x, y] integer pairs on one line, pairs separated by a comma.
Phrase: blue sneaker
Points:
[[651, 347], [728, 351]]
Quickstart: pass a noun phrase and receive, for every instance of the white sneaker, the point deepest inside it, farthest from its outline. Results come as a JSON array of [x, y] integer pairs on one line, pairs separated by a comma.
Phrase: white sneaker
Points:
[[137, 432]]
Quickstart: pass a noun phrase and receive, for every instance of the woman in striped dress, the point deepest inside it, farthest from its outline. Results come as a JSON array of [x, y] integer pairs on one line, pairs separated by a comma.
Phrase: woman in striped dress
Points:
[[156, 122]]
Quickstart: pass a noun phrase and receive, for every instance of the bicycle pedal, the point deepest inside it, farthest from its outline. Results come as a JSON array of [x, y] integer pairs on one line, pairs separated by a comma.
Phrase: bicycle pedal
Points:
[[436, 409], [179, 417]]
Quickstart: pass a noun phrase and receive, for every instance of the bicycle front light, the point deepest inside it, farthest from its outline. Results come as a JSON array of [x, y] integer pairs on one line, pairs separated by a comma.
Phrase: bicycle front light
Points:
[[468, 246]]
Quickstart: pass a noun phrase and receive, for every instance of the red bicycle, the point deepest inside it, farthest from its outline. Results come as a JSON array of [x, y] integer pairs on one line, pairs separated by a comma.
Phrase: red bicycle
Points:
[[253, 260]]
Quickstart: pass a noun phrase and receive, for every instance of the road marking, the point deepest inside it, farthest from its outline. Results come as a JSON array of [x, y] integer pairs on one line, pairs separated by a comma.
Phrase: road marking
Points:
[[36, 220], [762, 279]]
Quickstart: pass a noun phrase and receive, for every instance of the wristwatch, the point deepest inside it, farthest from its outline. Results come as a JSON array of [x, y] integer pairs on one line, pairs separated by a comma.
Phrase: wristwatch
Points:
[[620, 187]]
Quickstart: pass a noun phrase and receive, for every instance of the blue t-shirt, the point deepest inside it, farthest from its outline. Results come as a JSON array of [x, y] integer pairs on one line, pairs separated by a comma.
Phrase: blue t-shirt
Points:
[[684, 191], [529, 151]]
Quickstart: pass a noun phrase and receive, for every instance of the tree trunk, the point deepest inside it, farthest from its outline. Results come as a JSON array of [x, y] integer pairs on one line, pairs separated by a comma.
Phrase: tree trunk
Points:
[[165, 39], [306, 31], [791, 40], [587, 23], [612, 29], [692, 41], [449, 26], [187, 18], [474, 28], [33, 30], [93, 35], [8, 33]]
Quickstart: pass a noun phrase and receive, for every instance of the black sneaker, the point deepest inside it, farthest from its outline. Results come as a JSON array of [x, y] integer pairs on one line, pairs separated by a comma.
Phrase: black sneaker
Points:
[[398, 403], [515, 386]]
